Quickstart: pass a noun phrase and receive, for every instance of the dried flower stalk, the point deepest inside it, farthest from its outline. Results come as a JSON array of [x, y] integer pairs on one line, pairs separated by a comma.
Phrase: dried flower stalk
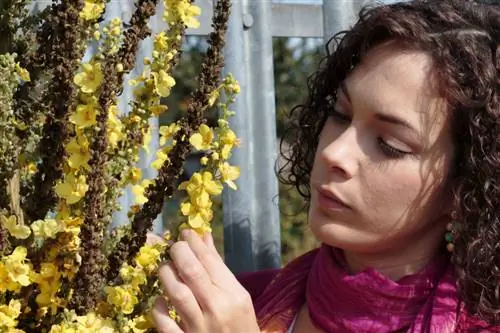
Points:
[[164, 184], [90, 280], [61, 50]]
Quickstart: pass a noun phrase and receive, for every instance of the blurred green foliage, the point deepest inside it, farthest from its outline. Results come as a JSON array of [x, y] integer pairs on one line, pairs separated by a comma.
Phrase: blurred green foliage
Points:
[[294, 60]]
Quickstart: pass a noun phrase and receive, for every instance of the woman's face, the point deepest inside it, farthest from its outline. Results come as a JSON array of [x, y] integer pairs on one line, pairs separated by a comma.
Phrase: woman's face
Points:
[[385, 151]]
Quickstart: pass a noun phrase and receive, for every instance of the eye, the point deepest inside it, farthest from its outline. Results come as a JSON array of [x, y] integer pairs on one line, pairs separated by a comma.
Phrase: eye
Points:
[[385, 148], [390, 151], [339, 117]]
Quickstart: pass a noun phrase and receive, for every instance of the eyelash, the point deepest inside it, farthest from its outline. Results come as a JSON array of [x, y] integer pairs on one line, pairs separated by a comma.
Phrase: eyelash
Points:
[[386, 149]]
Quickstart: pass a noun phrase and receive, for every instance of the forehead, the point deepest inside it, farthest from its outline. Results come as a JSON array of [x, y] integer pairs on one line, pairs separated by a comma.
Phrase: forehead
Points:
[[399, 82]]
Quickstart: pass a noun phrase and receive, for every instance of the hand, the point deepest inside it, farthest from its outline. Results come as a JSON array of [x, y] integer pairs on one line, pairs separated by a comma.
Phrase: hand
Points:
[[204, 292]]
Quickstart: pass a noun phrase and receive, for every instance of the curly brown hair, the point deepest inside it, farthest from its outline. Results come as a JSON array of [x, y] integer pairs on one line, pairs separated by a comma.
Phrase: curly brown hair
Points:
[[463, 39]]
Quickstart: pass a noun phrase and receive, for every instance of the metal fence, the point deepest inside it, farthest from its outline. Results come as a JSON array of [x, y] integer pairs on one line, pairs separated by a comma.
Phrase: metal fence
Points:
[[250, 215]]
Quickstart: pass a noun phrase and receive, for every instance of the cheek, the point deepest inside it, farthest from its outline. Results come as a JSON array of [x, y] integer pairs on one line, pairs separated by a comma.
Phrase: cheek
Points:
[[399, 198]]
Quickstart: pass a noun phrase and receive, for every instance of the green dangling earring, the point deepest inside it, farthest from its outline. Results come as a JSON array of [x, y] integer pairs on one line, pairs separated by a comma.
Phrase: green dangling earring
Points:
[[448, 236]]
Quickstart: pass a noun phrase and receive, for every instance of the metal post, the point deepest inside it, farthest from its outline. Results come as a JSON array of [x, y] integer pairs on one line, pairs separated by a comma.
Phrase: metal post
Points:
[[251, 215], [339, 15]]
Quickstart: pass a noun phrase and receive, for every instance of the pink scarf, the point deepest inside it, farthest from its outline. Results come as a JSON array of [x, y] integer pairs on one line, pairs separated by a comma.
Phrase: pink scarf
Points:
[[364, 302]]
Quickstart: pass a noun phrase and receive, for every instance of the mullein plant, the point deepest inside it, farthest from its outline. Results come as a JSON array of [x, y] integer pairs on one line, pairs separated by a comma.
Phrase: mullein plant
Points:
[[66, 156]]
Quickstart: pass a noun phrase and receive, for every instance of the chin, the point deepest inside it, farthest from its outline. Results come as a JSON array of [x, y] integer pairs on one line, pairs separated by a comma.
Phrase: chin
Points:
[[339, 232]]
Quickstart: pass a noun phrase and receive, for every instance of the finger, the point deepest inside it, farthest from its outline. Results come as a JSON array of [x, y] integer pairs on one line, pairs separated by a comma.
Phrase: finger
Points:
[[219, 273], [192, 272], [163, 322], [181, 297], [209, 241], [152, 239]]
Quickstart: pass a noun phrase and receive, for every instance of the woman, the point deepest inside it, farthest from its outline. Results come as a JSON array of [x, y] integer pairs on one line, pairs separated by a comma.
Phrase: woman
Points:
[[397, 152]]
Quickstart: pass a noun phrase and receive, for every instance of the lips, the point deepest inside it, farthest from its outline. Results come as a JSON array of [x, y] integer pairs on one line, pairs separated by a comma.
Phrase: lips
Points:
[[329, 195]]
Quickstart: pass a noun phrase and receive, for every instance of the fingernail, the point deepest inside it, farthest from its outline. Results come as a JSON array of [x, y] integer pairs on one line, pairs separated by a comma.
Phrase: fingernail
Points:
[[185, 233]]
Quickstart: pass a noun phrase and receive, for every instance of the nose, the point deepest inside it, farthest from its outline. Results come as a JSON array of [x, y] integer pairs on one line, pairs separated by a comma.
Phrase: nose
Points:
[[340, 153]]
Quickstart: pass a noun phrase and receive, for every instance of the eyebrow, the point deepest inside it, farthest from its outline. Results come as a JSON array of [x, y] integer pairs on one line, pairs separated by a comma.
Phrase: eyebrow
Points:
[[379, 115]]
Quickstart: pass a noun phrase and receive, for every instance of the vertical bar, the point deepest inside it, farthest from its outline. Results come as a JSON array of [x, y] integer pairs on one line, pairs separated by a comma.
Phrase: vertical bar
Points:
[[251, 215], [236, 206], [262, 110], [339, 15]]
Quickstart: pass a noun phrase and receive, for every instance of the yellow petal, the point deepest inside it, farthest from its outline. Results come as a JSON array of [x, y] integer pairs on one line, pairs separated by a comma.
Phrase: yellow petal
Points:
[[196, 221], [186, 208], [197, 141], [21, 232]]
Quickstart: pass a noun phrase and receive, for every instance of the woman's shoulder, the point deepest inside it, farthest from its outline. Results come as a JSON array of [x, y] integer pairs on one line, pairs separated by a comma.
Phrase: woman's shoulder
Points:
[[468, 323], [256, 282]]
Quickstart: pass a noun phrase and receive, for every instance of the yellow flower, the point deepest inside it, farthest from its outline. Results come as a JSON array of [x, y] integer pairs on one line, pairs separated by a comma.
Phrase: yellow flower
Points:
[[135, 276], [31, 168], [184, 11], [161, 42], [148, 258], [79, 153], [167, 132], [90, 79], [161, 157], [157, 110], [17, 269], [23, 73], [213, 97], [203, 139], [85, 115], [197, 215], [228, 139], [201, 183], [204, 228], [5, 282], [115, 127], [139, 191], [163, 83], [9, 314], [92, 322], [72, 188], [92, 9], [47, 228], [135, 175], [49, 276], [48, 281], [189, 13], [115, 26], [16, 230], [229, 173], [122, 298], [141, 324], [234, 88]]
